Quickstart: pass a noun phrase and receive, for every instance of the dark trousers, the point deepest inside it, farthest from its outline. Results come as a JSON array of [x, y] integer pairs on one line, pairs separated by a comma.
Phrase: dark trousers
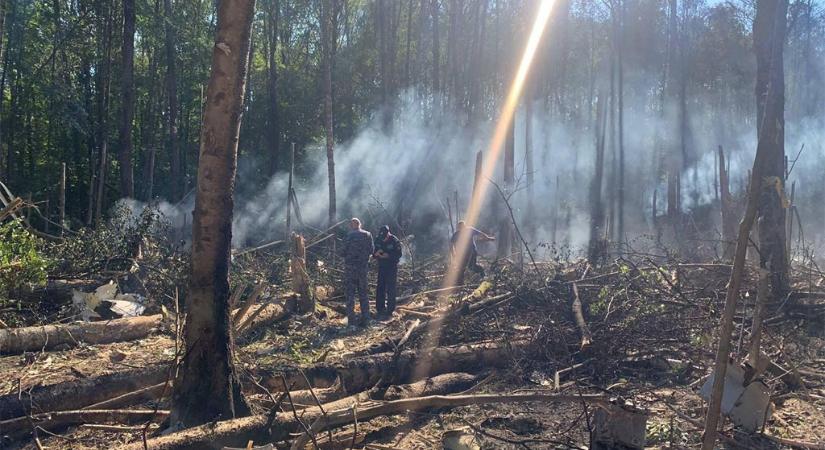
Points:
[[355, 280], [386, 289], [471, 262]]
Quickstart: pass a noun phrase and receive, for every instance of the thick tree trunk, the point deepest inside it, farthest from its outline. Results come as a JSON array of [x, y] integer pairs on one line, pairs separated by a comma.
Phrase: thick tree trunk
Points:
[[769, 38], [47, 337], [207, 386], [327, 44], [172, 98], [127, 185]]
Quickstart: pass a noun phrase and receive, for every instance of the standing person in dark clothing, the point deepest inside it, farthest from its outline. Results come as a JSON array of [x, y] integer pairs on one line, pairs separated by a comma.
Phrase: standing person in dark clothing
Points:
[[471, 255], [358, 247], [388, 253]]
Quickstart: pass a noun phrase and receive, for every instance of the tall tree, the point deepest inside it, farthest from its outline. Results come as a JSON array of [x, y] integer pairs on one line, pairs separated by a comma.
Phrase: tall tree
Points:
[[764, 197], [207, 387], [127, 185], [768, 43], [172, 99], [272, 86], [327, 49]]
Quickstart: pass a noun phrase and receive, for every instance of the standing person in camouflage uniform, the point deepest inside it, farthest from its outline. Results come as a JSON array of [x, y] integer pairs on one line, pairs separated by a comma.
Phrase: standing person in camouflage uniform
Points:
[[388, 253], [358, 247]]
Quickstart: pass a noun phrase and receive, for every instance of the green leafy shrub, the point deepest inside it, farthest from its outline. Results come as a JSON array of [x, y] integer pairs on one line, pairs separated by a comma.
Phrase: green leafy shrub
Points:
[[21, 262]]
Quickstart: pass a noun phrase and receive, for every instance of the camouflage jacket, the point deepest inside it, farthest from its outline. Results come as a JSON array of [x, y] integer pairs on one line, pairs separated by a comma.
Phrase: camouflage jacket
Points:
[[357, 249]]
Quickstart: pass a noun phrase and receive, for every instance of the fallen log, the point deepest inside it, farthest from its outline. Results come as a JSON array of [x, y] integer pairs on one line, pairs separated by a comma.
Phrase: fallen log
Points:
[[63, 418], [47, 337], [77, 394], [578, 315], [361, 373], [266, 428], [355, 374]]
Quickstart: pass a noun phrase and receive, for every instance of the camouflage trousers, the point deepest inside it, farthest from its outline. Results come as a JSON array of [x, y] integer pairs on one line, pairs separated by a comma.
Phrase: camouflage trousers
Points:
[[355, 279]]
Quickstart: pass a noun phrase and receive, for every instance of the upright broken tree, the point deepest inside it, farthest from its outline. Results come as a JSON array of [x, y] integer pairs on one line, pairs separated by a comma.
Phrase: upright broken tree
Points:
[[207, 386], [764, 192]]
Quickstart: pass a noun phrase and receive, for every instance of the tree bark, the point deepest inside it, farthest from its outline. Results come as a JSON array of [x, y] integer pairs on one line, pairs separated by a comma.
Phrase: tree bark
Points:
[[172, 98], [769, 38], [436, 67], [272, 85], [47, 337], [726, 205], [127, 185], [207, 386], [327, 44], [301, 283], [268, 428]]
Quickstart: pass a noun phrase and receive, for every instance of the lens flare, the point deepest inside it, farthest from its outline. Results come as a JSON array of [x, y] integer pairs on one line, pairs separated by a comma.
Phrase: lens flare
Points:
[[493, 153]]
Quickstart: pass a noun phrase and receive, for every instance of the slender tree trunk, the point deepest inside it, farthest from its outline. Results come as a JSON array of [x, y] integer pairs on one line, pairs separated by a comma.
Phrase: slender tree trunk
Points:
[[3, 168], [620, 114], [207, 386], [769, 37], [434, 11], [274, 117], [127, 185], [327, 44], [596, 244], [103, 107], [726, 204], [172, 97], [673, 158], [506, 235]]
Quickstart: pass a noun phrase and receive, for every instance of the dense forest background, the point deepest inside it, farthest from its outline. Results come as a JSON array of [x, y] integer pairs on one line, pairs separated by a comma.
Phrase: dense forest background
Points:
[[115, 90]]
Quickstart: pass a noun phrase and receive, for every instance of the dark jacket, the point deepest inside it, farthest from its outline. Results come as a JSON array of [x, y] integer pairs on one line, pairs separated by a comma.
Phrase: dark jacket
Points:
[[357, 249], [391, 246]]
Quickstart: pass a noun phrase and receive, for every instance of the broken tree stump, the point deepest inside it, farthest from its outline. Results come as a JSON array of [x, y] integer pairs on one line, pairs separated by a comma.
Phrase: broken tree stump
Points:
[[47, 337], [300, 278]]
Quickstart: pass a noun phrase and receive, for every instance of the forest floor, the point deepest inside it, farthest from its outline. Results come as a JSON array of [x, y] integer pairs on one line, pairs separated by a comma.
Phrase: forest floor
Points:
[[652, 328]]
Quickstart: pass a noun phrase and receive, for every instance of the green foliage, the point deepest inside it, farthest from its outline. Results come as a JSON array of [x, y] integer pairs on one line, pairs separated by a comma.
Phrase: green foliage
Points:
[[21, 262], [661, 432]]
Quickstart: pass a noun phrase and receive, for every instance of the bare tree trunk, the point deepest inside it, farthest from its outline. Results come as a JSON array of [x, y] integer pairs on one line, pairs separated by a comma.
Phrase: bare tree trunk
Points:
[[127, 185], [172, 98], [327, 44], [103, 106], [673, 158], [596, 248], [274, 117], [620, 64], [506, 235], [61, 200], [434, 11], [769, 36], [726, 203], [4, 169], [207, 386]]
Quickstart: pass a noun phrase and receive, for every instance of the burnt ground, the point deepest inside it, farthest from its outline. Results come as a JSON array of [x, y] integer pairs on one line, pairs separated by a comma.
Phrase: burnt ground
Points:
[[653, 329]]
